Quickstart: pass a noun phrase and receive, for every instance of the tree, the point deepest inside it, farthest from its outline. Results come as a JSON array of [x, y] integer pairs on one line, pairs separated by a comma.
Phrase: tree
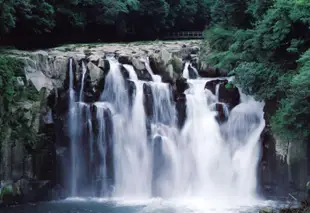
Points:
[[7, 16]]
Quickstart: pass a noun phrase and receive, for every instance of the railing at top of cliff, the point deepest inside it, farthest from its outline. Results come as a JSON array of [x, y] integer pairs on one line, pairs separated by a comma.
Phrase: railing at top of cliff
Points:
[[184, 35]]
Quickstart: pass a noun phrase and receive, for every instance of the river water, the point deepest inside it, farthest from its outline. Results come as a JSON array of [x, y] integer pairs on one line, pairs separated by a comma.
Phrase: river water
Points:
[[79, 205]]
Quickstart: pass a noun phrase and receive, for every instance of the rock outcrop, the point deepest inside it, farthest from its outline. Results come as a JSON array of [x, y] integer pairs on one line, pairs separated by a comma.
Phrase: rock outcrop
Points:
[[227, 92]]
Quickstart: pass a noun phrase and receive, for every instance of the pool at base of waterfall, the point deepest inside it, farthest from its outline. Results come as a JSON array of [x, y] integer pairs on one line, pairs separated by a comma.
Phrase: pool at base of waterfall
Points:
[[156, 205]]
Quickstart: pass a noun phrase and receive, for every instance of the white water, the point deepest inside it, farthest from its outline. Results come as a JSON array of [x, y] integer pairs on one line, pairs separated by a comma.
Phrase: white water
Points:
[[204, 160], [73, 146], [156, 78], [186, 72], [82, 81]]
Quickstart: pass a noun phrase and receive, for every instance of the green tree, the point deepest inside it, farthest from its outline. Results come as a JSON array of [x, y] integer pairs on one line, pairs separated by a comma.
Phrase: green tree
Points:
[[7, 16]]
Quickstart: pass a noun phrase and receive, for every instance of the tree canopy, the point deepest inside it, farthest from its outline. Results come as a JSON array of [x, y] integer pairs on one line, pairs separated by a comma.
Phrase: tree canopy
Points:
[[44, 21], [266, 45]]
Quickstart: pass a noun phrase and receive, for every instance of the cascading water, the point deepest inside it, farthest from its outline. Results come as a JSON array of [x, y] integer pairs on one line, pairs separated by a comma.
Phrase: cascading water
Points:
[[156, 78], [139, 151], [82, 81], [72, 130], [221, 163], [189, 71]]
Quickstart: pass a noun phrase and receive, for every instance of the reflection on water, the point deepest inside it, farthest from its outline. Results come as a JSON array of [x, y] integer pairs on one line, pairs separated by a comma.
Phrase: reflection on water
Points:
[[77, 205]]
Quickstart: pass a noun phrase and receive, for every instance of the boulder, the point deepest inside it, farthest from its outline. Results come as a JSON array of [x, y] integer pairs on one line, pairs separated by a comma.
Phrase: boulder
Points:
[[95, 73], [94, 59], [104, 65], [138, 64], [181, 85], [177, 65], [125, 59], [159, 61], [170, 71], [205, 70], [211, 85], [186, 51], [229, 94]]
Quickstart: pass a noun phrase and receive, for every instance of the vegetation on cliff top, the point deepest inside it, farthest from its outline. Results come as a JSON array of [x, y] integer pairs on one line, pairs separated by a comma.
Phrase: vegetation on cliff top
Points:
[[266, 45]]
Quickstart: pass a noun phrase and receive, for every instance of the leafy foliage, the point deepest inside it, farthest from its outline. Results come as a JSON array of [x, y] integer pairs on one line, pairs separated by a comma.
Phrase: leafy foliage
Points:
[[11, 94], [10, 68], [87, 20], [269, 56]]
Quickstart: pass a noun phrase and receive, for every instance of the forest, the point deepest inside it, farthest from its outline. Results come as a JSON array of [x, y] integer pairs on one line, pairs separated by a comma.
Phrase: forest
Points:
[[264, 43], [48, 22]]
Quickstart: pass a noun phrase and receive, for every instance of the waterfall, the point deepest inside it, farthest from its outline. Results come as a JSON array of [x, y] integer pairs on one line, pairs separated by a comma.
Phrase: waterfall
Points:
[[72, 126], [156, 78], [190, 71], [136, 149], [217, 89], [82, 81]]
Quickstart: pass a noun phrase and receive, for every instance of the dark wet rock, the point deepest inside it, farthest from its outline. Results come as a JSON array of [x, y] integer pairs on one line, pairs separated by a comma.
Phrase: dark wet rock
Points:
[[144, 75], [195, 61], [148, 100], [125, 59], [104, 64], [131, 88], [158, 66], [195, 50], [229, 94], [58, 101], [89, 97], [25, 191], [181, 85], [221, 114], [181, 110], [166, 78], [211, 85], [124, 72], [192, 72]]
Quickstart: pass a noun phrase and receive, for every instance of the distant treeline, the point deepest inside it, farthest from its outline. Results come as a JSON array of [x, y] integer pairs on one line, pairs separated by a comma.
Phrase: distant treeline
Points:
[[36, 23]]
